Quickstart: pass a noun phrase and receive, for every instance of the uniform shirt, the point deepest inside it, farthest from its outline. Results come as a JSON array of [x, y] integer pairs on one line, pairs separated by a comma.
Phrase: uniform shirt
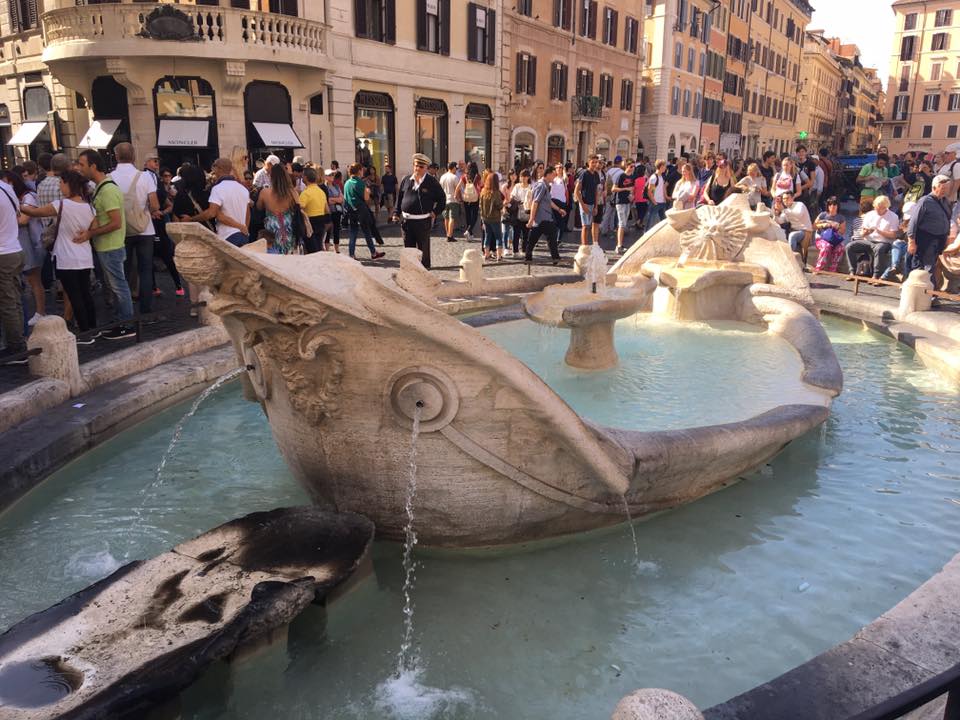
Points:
[[313, 200], [9, 230], [108, 197], [123, 176], [233, 199]]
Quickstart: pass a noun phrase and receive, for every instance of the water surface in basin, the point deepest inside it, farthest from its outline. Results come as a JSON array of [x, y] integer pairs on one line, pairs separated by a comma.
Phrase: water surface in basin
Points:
[[671, 375], [731, 590]]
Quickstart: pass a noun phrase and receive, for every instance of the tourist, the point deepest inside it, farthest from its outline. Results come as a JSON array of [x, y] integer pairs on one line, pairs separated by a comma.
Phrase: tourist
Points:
[[787, 211], [227, 202], [753, 185], [706, 172], [31, 244], [491, 211], [831, 227], [313, 201], [522, 195], [720, 185], [541, 222], [262, 178], [141, 206], [950, 168], [107, 234], [880, 228], [335, 203], [786, 180], [873, 176], [163, 247], [240, 162], [355, 202], [558, 194], [11, 264], [509, 214], [388, 184], [768, 170], [657, 195], [74, 260], [947, 272], [248, 180], [623, 201], [609, 221], [468, 192], [640, 197], [420, 200], [687, 189], [930, 226], [453, 210], [282, 215], [588, 194]]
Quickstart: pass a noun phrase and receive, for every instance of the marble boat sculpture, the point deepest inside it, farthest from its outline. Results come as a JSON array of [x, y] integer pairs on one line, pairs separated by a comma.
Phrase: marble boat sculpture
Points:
[[342, 357]]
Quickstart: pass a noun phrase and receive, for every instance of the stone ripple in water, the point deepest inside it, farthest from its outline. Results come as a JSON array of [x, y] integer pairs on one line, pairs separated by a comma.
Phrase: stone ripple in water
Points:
[[533, 634], [671, 375]]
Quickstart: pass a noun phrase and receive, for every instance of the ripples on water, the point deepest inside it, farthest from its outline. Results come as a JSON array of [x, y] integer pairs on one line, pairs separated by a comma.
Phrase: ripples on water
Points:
[[736, 588]]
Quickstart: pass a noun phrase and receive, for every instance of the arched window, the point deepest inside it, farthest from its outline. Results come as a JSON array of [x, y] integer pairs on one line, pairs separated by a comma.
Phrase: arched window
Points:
[[524, 145], [36, 103]]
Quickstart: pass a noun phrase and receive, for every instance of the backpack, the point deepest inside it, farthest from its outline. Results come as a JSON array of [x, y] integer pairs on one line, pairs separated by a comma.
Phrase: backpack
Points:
[[469, 192], [914, 193], [134, 211]]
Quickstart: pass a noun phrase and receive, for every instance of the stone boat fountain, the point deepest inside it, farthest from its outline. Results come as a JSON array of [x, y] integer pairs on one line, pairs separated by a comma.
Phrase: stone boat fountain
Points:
[[343, 358]]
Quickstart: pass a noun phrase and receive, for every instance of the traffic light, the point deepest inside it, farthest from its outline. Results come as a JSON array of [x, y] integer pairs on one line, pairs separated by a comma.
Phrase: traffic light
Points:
[[803, 135]]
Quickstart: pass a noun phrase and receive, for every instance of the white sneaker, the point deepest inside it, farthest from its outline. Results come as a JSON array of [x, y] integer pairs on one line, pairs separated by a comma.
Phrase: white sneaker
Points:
[[508, 253], [35, 319], [467, 235]]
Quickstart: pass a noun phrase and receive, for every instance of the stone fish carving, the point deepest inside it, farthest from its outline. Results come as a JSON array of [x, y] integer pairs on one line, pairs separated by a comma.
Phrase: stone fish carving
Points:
[[719, 233]]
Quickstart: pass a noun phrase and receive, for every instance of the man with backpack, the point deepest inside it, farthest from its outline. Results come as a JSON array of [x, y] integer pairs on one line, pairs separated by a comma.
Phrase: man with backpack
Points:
[[140, 207], [107, 234]]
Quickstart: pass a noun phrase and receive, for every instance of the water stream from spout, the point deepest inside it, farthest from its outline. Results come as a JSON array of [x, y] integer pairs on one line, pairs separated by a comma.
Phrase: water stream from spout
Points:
[[633, 532], [406, 658]]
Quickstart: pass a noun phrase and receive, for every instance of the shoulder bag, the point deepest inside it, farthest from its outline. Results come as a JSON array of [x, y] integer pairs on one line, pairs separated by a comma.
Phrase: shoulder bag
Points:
[[49, 235]]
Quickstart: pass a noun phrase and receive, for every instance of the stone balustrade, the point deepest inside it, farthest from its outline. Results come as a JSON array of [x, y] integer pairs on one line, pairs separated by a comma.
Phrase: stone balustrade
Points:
[[229, 32]]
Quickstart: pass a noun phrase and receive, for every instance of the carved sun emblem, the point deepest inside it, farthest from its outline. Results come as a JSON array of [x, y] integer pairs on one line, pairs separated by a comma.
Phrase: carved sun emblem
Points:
[[719, 234]]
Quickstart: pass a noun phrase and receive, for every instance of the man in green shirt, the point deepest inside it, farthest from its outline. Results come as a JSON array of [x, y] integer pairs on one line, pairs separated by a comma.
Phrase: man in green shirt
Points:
[[356, 195], [107, 234], [873, 176]]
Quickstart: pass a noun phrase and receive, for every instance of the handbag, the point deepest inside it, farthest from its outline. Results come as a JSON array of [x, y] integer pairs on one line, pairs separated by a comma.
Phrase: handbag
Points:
[[49, 235]]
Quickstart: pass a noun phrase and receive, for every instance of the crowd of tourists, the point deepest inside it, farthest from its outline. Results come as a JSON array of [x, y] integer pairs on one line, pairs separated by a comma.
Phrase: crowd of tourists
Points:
[[75, 226]]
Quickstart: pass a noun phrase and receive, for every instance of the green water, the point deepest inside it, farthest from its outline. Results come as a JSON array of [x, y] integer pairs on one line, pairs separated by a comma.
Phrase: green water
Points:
[[731, 590]]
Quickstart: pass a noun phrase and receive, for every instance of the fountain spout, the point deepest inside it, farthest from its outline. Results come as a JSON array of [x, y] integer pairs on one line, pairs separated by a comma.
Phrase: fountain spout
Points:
[[595, 269]]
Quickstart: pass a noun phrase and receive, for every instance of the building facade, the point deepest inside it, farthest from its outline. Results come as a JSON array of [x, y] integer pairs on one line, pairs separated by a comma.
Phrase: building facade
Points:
[[678, 36], [734, 77], [569, 79], [923, 94], [820, 82], [771, 97]]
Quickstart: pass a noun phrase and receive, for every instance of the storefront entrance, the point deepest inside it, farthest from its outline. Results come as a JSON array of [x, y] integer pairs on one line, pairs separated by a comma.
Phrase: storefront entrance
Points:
[[269, 122], [373, 114], [478, 132], [186, 122], [432, 129]]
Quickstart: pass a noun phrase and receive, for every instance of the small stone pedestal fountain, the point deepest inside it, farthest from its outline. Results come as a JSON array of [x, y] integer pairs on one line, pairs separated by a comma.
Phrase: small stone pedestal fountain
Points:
[[589, 310]]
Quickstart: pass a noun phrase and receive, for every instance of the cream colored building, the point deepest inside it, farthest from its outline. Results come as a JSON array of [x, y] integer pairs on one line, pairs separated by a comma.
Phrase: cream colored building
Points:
[[772, 97], [325, 79], [679, 62], [922, 109], [569, 78], [820, 82]]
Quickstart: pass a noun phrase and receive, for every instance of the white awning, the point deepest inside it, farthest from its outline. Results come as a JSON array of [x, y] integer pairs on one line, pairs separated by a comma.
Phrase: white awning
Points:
[[100, 134], [278, 135], [27, 133], [183, 133]]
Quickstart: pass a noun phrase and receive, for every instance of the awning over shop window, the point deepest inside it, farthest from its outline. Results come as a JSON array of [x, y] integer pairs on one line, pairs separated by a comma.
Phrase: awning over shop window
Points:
[[183, 133], [27, 133], [277, 135], [100, 134]]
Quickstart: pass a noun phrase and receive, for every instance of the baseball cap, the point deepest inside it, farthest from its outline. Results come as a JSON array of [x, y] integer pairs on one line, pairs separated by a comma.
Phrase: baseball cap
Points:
[[939, 180], [330, 171], [272, 160], [953, 147], [618, 159]]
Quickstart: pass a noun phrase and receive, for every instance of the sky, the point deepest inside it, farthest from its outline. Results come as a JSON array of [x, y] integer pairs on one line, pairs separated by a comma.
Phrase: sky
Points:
[[866, 23]]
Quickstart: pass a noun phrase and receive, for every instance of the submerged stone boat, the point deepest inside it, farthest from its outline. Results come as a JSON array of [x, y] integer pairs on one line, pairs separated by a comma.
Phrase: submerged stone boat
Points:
[[343, 358]]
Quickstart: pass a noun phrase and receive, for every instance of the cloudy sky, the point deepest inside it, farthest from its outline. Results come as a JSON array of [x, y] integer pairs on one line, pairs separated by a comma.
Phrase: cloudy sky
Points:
[[868, 23]]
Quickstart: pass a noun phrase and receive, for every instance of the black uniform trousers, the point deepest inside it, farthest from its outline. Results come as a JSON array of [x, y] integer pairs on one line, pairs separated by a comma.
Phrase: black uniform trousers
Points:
[[416, 233]]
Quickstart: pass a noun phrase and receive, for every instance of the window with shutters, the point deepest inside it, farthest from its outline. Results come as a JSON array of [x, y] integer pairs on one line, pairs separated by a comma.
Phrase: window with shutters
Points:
[[691, 59], [526, 74], [695, 23], [931, 103], [910, 21], [376, 20], [525, 7], [953, 102], [23, 15], [626, 94], [697, 105], [900, 103], [686, 103], [481, 34], [606, 89], [940, 41], [675, 101], [936, 70], [584, 82], [943, 18], [611, 21], [927, 131], [703, 64], [563, 14], [678, 55], [558, 81], [433, 26], [898, 131], [907, 46], [631, 33], [682, 14], [904, 78], [589, 11]]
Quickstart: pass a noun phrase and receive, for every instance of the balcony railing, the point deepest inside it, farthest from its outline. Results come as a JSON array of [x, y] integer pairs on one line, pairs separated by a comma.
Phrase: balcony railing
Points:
[[236, 32], [588, 107]]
